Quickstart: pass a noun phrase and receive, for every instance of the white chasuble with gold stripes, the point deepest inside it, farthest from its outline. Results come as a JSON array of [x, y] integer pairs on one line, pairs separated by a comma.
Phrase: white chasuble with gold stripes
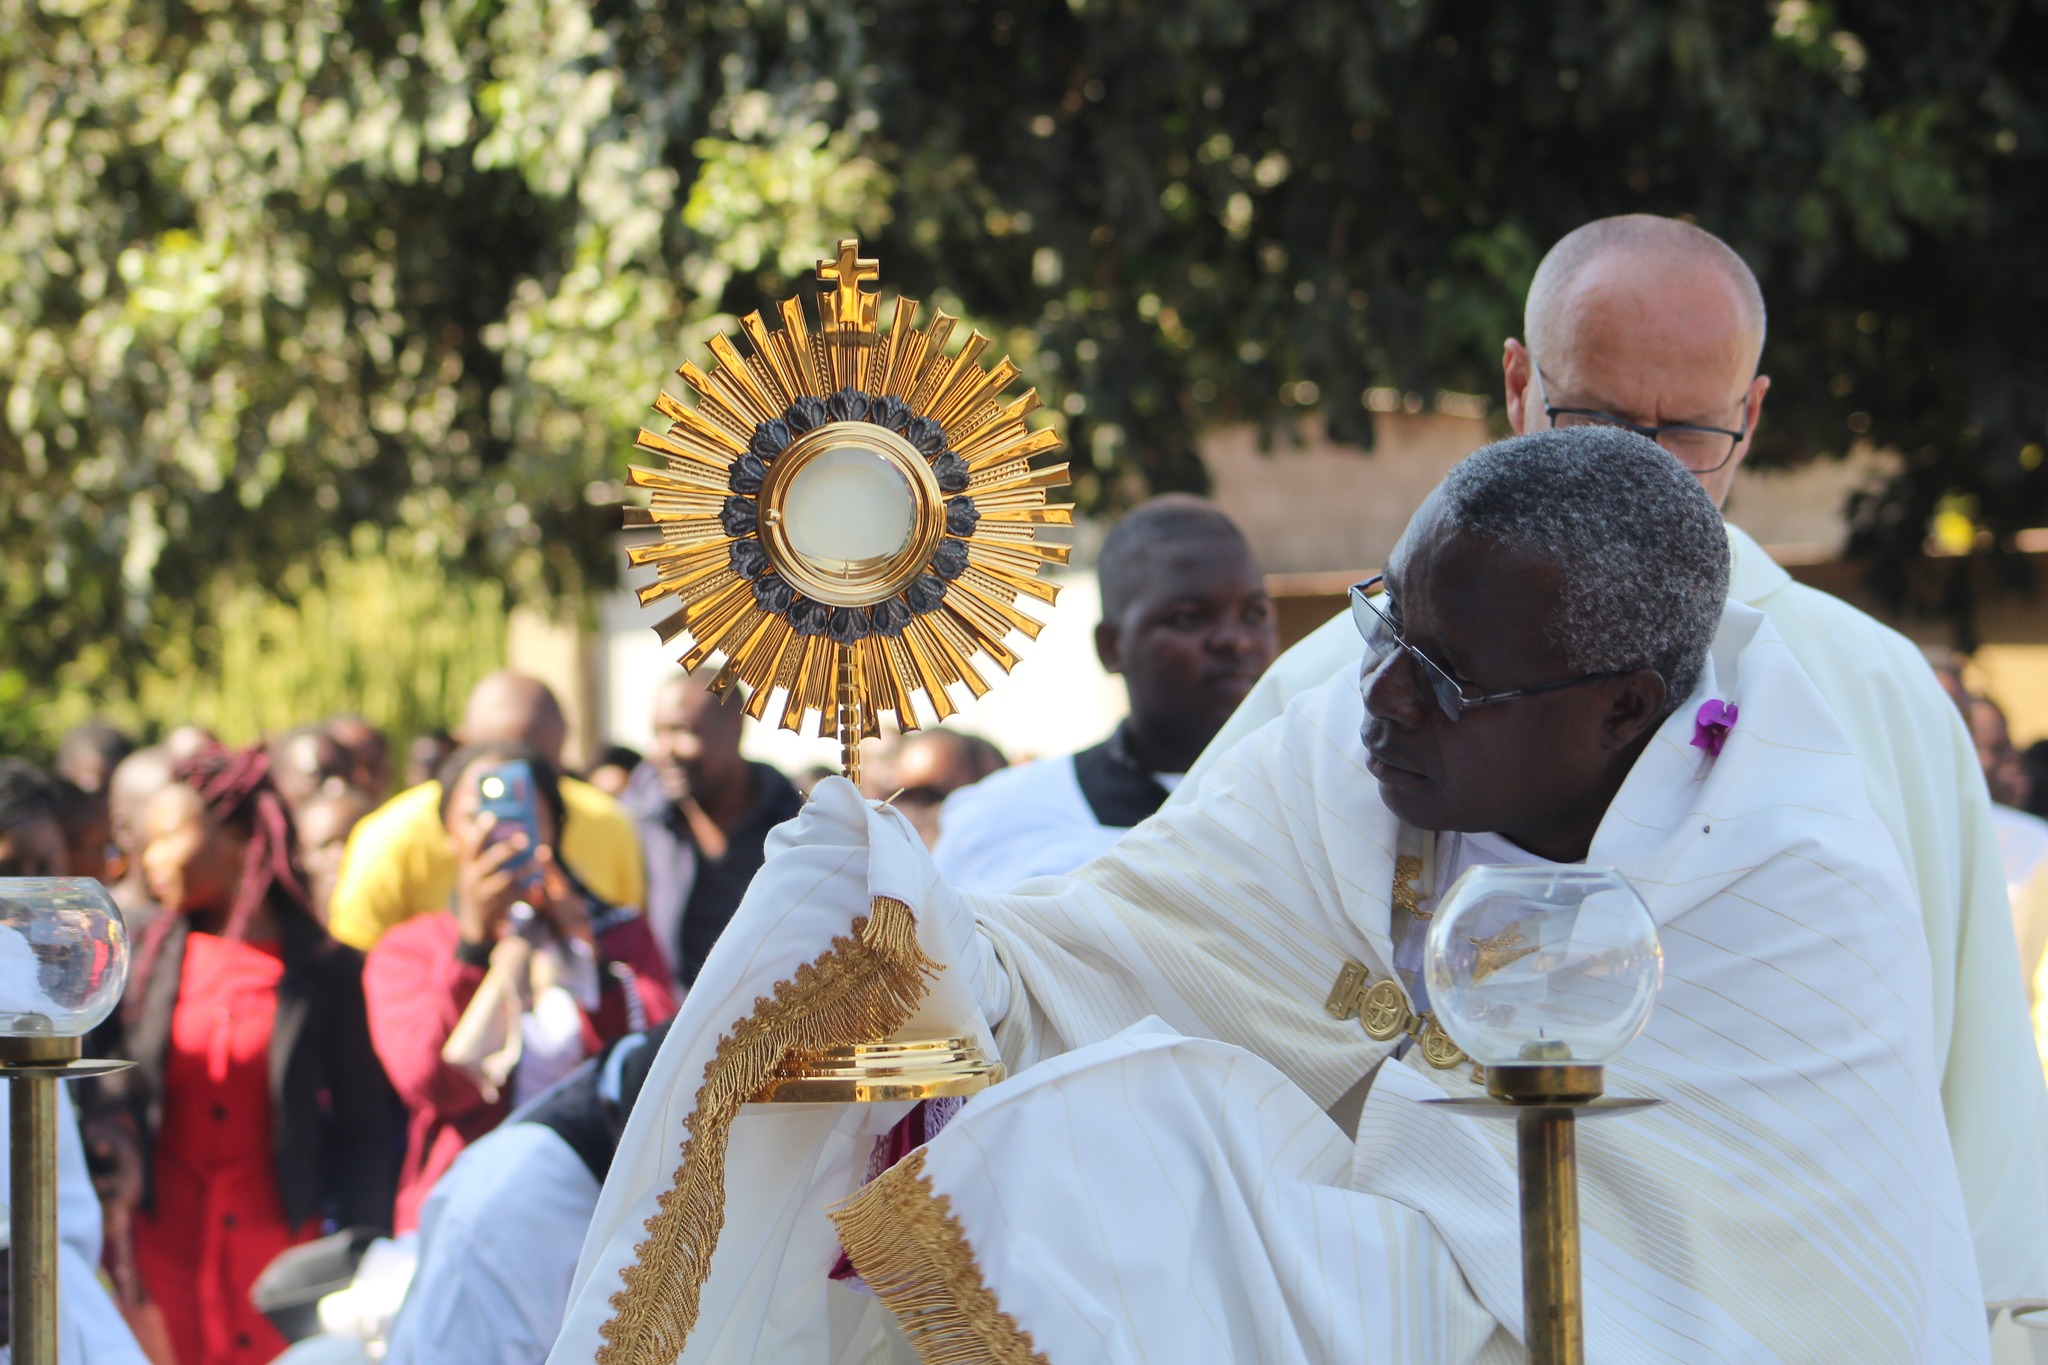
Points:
[[1158, 1180]]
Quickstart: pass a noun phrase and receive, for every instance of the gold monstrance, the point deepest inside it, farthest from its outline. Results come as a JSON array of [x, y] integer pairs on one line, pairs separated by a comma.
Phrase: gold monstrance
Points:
[[848, 519]]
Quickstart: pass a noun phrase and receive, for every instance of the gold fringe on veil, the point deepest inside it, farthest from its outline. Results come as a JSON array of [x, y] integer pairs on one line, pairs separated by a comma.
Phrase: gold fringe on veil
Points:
[[862, 989], [901, 1236]]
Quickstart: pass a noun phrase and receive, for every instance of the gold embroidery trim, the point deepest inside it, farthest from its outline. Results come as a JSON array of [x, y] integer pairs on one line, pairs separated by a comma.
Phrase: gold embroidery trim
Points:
[[901, 1236], [863, 988]]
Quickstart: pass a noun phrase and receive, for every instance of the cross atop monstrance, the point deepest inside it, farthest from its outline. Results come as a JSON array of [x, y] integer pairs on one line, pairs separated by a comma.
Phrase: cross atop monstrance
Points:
[[852, 305]]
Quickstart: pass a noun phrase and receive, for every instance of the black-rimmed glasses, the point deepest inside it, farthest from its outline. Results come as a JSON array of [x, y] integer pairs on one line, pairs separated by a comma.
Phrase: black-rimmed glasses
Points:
[[1700, 449], [1383, 638]]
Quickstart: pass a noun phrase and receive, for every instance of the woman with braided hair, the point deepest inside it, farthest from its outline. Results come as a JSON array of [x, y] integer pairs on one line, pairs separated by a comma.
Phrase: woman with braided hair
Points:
[[262, 1109]]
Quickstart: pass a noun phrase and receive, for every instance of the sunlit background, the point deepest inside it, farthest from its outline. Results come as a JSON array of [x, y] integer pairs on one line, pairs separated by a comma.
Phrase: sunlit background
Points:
[[324, 326]]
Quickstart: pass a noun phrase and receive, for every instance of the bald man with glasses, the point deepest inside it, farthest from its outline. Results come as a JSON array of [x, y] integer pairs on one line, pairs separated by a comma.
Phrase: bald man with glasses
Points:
[[1656, 326]]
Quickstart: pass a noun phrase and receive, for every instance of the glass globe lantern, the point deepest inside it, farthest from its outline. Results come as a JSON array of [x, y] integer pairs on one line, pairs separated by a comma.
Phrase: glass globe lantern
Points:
[[1542, 965], [63, 960], [1543, 975], [63, 956]]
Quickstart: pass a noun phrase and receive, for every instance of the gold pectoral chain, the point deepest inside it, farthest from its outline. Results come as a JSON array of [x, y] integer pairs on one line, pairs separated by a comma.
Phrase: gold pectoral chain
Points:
[[1381, 1009]]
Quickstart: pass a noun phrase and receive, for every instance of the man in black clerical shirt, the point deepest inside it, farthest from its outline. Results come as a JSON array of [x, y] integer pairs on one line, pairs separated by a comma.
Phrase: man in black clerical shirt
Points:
[[1187, 623], [703, 813]]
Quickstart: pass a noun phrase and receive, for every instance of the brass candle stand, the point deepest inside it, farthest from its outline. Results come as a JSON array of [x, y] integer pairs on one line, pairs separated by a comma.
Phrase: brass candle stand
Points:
[[1546, 1100], [849, 517], [33, 1065], [1542, 975], [63, 961]]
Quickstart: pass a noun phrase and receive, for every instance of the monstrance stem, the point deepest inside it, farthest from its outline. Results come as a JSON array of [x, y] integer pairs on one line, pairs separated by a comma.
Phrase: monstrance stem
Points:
[[849, 715]]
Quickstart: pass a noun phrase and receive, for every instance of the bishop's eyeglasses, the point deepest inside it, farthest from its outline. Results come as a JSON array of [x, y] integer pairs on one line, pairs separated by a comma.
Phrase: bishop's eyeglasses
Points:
[[1700, 449], [1383, 638]]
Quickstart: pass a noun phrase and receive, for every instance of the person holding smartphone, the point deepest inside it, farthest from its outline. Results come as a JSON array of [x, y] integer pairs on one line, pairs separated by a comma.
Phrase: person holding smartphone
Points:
[[480, 1007]]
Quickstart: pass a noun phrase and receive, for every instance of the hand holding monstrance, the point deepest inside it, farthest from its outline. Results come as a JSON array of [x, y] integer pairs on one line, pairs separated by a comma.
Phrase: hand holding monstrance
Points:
[[848, 518]]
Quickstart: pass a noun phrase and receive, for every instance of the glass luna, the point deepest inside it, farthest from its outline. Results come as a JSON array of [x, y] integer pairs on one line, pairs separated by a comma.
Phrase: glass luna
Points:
[[1542, 964], [849, 507], [63, 956]]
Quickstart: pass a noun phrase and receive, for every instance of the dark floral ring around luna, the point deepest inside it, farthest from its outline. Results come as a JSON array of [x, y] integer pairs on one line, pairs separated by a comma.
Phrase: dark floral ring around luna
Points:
[[741, 516]]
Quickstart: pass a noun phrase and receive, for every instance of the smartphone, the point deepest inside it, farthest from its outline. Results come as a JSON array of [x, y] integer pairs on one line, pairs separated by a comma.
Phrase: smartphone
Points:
[[505, 790]]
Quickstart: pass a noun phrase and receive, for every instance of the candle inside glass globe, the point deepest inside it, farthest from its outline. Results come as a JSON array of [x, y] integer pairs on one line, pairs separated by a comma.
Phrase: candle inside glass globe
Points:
[[1542, 964], [848, 506], [63, 956]]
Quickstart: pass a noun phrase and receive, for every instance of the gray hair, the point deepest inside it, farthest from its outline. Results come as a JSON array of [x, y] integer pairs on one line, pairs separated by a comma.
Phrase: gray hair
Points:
[[1641, 553], [1663, 241]]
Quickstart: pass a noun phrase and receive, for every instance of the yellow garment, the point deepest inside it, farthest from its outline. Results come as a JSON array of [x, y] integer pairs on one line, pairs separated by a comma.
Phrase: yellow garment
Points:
[[398, 864]]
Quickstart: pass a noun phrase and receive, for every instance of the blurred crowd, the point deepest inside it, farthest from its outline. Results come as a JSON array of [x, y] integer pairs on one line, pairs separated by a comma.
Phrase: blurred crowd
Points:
[[2018, 784], [351, 963]]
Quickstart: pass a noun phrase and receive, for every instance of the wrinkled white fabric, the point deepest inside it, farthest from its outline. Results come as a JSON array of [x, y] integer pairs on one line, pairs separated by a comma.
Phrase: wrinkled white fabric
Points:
[[1793, 1199], [1924, 783], [494, 1260], [1188, 1203], [768, 1297]]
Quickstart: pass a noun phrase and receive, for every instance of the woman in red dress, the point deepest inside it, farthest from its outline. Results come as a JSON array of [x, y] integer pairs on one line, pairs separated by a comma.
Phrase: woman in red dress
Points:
[[260, 1102]]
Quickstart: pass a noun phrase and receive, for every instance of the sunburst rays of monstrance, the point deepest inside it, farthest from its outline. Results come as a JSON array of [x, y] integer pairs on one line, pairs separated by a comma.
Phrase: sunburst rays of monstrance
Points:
[[849, 518]]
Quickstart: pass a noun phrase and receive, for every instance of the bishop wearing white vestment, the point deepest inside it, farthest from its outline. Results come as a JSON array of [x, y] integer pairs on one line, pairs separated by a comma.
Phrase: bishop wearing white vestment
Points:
[[1160, 1180]]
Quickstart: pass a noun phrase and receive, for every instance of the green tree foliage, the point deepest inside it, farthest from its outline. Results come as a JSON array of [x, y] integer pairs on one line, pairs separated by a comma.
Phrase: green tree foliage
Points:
[[368, 626], [277, 269], [1225, 209], [271, 271]]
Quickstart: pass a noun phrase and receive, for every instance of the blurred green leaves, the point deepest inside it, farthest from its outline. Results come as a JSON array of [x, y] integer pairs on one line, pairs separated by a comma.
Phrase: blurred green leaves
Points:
[[778, 191], [369, 624], [271, 272]]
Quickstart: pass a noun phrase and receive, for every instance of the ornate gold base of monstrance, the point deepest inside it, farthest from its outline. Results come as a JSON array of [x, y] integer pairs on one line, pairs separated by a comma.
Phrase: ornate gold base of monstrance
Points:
[[871, 1073], [848, 519]]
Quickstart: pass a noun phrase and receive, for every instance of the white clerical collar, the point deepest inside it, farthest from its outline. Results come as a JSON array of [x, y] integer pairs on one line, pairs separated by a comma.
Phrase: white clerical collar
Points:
[[1752, 574], [1492, 849]]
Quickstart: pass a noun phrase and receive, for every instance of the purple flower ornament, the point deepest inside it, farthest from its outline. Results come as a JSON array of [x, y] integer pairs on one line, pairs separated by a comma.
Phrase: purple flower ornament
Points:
[[1711, 724]]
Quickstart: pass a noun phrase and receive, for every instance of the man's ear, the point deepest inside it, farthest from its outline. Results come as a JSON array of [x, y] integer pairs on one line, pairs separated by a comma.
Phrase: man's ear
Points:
[[1516, 372], [1753, 410], [1638, 706], [1109, 641]]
